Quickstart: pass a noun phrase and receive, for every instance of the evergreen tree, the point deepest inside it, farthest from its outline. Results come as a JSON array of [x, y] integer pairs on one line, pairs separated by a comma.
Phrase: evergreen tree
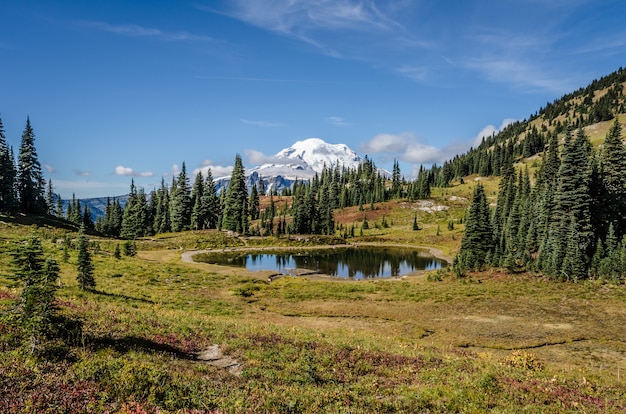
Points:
[[180, 202], [395, 180], [253, 208], [162, 222], [50, 206], [572, 229], [35, 308], [613, 161], [84, 266], [199, 213], [210, 203], [130, 227], [30, 182], [59, 206], [7, 174], [477, 243], [87, 221], [234, 212]]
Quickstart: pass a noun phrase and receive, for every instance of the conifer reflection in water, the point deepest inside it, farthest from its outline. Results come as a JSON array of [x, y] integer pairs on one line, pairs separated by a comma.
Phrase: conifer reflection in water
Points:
[[354, 263]]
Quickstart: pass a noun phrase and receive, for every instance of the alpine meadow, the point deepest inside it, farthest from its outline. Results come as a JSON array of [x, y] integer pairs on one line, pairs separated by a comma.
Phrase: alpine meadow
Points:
[[106, 310]]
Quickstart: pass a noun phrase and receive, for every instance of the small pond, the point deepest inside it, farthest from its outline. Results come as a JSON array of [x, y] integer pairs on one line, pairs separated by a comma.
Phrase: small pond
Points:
[[350, 262]]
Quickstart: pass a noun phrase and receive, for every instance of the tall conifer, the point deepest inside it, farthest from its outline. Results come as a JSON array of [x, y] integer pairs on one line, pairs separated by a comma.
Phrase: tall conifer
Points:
[[30, 182]]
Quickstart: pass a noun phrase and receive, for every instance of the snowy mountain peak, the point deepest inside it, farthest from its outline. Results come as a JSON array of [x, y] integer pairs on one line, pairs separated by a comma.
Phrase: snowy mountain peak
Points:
[[317, 153], [300, 162]]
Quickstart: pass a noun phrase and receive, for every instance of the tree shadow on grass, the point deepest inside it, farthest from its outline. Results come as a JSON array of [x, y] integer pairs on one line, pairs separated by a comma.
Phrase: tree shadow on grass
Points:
[[130, 343], [121, 296]]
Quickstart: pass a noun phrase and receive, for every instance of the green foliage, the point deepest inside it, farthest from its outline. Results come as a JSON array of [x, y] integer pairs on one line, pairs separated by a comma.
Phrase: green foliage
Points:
[[35, 310], [477, 242], [30, 183], [235, 211], [84, 265]]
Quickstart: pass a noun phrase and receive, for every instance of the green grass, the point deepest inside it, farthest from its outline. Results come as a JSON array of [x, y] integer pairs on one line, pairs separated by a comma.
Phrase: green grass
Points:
[[426, 343]]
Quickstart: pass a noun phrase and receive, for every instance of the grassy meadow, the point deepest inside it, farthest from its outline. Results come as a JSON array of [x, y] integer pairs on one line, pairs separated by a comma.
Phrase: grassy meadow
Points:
[[427, 342]]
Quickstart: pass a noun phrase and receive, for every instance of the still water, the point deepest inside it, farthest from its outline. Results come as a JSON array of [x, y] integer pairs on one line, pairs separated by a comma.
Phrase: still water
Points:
[[354, 262]]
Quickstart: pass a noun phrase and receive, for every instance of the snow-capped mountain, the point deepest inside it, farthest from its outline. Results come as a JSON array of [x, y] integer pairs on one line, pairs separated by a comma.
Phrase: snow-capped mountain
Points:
[[300, 162], [317, 154]]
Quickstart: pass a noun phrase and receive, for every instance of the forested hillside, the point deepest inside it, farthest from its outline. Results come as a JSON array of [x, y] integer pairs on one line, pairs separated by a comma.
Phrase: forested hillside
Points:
[[568, 218]]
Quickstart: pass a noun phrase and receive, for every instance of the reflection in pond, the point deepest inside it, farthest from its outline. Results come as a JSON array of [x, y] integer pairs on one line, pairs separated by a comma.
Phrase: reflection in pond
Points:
[[354, 262]]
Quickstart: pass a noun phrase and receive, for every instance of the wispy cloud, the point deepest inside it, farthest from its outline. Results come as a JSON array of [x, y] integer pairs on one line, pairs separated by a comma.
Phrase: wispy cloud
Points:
[[415, 73], [337, 121], [49, 168], [489, 130], [343, 29], [299, 17], [134, 30], [262, 124], [129, 172]]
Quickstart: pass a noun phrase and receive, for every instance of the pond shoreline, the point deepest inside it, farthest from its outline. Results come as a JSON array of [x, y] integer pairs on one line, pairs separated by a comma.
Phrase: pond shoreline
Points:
[[187, 256]]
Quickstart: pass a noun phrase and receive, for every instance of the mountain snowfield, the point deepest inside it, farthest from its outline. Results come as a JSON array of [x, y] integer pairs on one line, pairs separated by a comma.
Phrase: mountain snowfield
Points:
[[300, 162]]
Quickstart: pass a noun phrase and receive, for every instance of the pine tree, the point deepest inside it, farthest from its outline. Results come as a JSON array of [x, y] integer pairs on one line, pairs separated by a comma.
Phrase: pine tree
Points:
[[253, 207], [234, 213], [477, 243], [35, 308], [180, 202], [130, 225], [7, 174], [84, 266], [30, 182], [50, 206], [395, 180], [211, 203], [613, 161], [198, 213], [568, 243]]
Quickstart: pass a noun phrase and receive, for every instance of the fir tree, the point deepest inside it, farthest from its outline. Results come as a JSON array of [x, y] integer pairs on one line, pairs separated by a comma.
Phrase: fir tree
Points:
[[253, 208], [613, 161], [130, 227], [198, 213], [50, 206], [30, 182], [7, 174], [477, 243], [35, 309], [84, 266], [234, 213], [210, 203], [180, 202]]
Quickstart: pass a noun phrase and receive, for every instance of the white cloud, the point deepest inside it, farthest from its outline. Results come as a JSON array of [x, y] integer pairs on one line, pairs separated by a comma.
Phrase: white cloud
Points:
[[337, 121], [489, 130], [403, 146], [129, 172], [262, 124], [217, 171]]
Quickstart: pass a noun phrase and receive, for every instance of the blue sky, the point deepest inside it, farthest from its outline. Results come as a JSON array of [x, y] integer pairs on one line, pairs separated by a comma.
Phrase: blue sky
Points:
[[119, 89]]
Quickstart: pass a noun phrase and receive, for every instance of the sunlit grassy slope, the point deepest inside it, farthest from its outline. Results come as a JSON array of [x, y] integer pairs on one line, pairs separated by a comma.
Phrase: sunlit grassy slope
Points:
[[425, 343]]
